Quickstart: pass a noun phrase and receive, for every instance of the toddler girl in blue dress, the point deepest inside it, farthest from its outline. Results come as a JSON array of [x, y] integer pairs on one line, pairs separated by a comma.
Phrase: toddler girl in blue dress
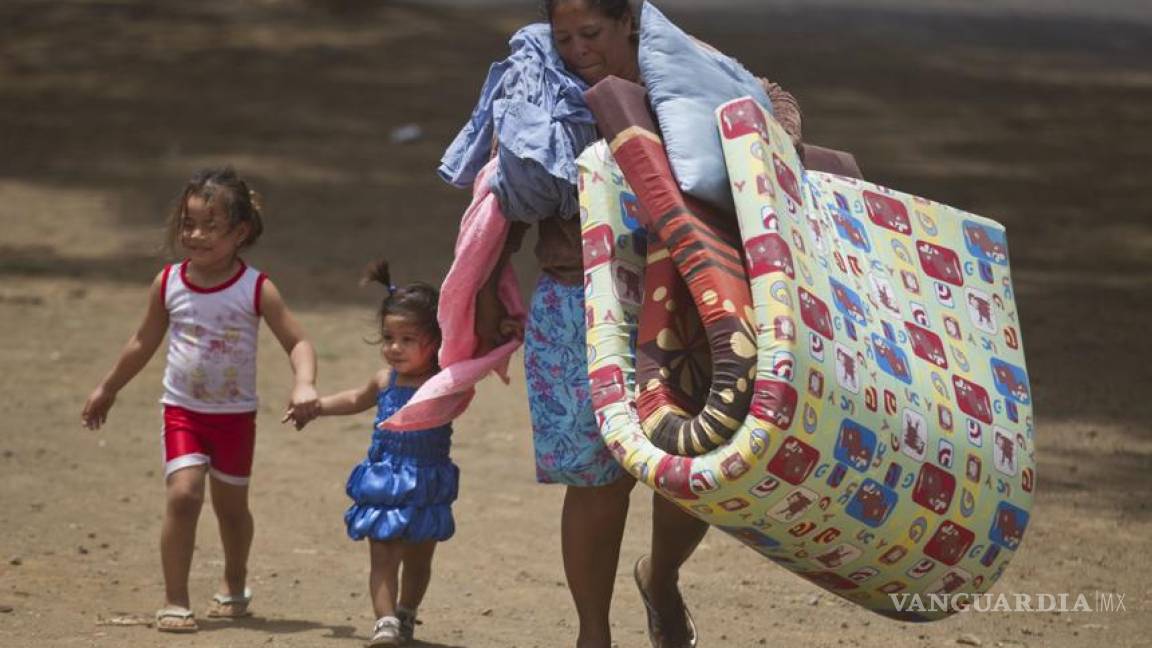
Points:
[[402, 492]]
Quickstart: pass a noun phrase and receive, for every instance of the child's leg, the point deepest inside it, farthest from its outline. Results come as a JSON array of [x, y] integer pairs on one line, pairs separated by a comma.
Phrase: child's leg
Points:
[[230, 501], [417, 559], [385, 556], [185, 496]]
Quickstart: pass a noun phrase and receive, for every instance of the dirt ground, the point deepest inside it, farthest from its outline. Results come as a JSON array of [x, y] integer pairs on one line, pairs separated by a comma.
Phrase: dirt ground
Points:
[[106, 107]]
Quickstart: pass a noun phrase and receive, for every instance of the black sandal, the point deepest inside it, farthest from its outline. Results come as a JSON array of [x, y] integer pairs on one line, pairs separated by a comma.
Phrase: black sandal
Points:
[[655, 633]]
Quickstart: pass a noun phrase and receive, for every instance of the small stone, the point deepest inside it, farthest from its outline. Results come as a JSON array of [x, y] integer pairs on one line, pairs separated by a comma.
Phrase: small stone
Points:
[[5, 609], [82, 550], [814, 600], [969, 640], [15, 561], [486, 612]]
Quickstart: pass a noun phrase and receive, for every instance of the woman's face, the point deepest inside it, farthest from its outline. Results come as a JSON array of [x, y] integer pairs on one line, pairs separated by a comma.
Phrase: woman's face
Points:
[[594, 46]]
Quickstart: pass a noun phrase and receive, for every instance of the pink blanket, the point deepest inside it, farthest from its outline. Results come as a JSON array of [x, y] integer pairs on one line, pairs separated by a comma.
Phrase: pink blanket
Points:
[[447, 394]]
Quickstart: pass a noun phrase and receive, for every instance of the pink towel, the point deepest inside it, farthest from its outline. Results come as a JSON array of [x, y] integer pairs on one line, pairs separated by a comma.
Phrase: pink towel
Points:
[[447, 394]]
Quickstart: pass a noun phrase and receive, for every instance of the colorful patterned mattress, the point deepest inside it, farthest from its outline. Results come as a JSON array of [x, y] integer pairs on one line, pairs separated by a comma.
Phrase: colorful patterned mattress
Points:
[[886, 442]]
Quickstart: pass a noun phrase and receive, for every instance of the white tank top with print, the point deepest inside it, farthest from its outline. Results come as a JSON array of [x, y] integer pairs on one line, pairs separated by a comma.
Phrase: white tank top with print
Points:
[[211, 341]]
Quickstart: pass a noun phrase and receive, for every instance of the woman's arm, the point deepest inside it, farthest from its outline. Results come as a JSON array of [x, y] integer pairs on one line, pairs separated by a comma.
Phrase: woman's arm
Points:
[[303, 401], [784, 105], [493, 326], [786, 109], [136, 354]]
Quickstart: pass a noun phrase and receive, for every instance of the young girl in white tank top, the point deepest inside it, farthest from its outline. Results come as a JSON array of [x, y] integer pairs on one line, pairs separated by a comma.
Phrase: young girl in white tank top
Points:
[[210, 305]]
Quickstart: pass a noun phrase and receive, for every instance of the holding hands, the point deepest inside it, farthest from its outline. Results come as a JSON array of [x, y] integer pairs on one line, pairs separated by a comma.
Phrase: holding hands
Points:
[[303, 406]]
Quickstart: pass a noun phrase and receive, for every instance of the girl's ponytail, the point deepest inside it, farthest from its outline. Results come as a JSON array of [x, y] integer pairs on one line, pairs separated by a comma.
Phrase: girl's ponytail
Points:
[[378, 271], [417, 301]]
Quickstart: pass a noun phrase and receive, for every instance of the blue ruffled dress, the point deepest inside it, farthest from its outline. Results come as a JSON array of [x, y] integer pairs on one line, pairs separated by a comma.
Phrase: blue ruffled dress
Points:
[[405, 487]]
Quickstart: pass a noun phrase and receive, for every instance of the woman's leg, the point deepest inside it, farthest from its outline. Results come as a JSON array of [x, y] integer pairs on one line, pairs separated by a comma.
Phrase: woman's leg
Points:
[[184, 493], [591, 529], [417, 573], [675, 536], [385, 558], [230, 502]]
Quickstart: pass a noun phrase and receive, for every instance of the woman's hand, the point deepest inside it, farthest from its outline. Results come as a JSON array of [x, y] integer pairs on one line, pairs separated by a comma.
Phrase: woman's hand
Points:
[[493, 324], [511, 327]]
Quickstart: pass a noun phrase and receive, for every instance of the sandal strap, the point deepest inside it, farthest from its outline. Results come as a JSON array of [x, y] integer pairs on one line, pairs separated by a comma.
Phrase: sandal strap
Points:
[[174, 612], [386, 621], [233, 599]]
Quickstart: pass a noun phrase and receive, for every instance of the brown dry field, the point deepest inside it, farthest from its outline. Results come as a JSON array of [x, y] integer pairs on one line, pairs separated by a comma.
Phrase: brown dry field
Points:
[[106, 107]]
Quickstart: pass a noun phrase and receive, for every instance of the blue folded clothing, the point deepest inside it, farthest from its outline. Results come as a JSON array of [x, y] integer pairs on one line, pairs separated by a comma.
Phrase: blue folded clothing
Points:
[[536, 110]]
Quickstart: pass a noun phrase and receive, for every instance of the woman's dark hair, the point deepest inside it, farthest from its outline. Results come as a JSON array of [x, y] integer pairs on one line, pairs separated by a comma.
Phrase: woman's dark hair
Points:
[[614, 9], [220, 186], [417, 302]]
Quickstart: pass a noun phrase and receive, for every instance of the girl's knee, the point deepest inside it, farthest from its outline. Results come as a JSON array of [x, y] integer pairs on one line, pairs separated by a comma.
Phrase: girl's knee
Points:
[[185, 501]]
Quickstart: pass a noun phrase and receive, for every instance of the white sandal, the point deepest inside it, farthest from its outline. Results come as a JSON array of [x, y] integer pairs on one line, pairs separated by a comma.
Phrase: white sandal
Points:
[[386, 632], [176, 612], [230, 606]]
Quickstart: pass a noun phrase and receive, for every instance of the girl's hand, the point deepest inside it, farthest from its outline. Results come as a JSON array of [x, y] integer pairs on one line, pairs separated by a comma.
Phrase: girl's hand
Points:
[[303, 406], [96, 408], [298, 420]]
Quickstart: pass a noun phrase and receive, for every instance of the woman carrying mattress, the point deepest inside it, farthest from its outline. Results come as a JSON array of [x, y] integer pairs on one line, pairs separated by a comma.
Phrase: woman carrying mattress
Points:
[[532, 118]]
